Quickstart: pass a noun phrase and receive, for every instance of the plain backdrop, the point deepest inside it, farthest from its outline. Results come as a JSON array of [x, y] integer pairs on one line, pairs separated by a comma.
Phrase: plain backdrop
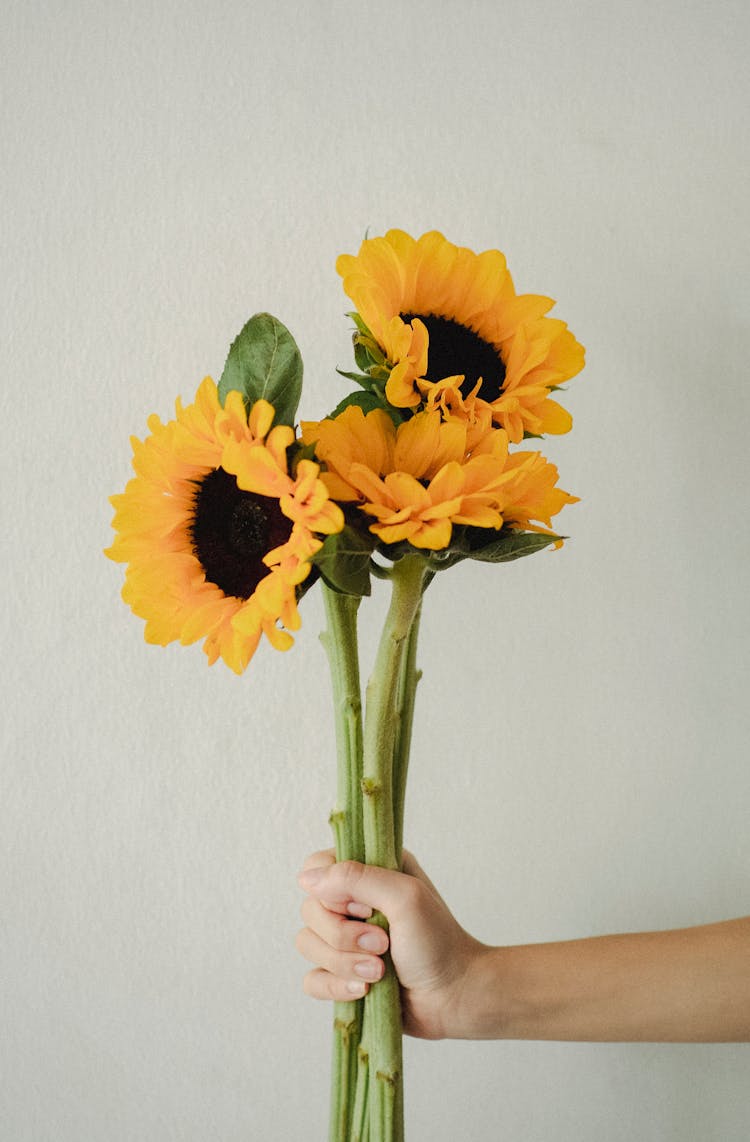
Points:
[[580, 751]]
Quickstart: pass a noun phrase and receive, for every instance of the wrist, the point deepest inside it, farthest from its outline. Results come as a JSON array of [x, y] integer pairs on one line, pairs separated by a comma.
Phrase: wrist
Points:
[[481, 1007], [496, 1000]]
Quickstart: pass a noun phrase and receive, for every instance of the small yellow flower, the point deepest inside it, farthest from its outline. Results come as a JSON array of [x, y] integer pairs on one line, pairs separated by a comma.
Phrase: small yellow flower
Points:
[[418, 480], [216, 532], [447, 317]]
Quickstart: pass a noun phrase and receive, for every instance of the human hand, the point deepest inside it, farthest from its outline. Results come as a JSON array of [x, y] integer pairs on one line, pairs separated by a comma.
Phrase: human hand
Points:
[[684, 986], [433, 956]]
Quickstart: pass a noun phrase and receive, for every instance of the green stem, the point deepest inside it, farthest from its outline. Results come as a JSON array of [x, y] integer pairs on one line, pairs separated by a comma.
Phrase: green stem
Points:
[[381, 726], [382, 808], [340, 642], [360, 1120], [405, 701]]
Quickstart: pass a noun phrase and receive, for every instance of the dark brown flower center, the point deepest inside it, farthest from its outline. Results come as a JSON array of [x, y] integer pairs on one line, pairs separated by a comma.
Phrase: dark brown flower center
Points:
[[455, 349], [231, 532]]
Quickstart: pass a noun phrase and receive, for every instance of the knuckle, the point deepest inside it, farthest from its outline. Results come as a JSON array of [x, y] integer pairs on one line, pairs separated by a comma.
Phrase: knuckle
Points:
[[340, 967], [344, 967], [350, 873], [341, 936], [320, 984], [410, 889], [411, 894], [320, 859]]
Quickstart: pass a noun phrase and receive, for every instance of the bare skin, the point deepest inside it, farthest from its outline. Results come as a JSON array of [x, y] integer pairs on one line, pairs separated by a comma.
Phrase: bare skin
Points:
[[687, 985]]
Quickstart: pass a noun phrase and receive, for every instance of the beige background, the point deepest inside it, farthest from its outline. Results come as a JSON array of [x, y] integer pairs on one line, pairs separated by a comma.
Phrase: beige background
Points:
[[580, 756]]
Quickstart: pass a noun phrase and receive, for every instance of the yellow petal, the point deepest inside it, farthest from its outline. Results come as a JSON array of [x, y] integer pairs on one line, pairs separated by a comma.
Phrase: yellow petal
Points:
[[555, 418]]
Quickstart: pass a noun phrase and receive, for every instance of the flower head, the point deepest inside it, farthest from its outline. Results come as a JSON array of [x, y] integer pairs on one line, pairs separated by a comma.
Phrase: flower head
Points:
[[448, 318], [416, 481], [216, 531]]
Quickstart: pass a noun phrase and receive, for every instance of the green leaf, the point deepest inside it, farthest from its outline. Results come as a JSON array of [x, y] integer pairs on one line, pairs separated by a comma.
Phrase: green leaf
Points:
[[344, 562], [264, 363], [512, 545], [502, 547]]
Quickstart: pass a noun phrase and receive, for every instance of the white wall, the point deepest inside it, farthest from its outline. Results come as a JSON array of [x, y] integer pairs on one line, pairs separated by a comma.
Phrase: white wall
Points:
[[580, 759]]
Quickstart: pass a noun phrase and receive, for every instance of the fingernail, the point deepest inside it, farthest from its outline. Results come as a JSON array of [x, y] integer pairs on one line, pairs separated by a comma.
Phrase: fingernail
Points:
[[367, 969], [371, 941], [361, 911], [354, 987], [309, 877]]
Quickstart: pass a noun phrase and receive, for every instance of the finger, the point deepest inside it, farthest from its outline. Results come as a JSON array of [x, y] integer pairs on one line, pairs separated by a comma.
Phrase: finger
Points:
[[347, 910], [340, 933], [319, 862], [321, 984], [324, 859], [321, 859], [344, 965], [341, 885]]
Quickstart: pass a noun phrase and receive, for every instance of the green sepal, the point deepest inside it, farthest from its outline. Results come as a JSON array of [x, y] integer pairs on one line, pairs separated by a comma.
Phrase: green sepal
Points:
[[296, 452], [380, 374], [359, 323], [367, 353], [375, 380], [360, 378], [264, 363], [362, 357], [344, 562]]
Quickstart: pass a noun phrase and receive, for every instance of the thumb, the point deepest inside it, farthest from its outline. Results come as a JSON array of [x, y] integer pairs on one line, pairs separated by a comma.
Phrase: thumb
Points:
[[351, 883]]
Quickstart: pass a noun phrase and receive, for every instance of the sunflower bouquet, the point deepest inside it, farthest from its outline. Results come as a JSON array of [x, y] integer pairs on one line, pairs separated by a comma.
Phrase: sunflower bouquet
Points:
[[235, 512]]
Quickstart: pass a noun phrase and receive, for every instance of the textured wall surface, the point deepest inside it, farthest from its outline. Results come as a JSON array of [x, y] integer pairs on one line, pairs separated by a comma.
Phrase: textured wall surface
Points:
[[580, 754]]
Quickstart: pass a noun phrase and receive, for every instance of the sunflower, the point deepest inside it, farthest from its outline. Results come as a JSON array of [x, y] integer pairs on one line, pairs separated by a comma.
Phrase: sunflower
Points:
[[423, 477], [447, 317], [216, 532]]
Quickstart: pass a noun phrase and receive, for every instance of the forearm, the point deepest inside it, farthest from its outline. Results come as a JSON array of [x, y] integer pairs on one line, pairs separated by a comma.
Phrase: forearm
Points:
[[690, 985]]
